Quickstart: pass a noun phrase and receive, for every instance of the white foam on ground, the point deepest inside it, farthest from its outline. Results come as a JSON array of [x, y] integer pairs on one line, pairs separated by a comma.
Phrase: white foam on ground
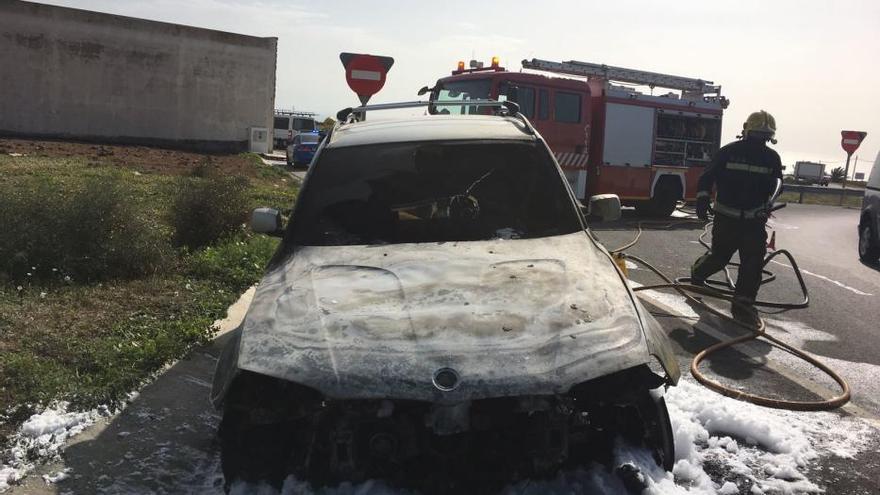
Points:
[[42, 437], [631, 265], [861, 376]]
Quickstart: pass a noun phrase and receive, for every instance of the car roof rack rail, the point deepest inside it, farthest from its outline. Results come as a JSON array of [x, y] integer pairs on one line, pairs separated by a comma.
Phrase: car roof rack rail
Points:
[[511, 108]]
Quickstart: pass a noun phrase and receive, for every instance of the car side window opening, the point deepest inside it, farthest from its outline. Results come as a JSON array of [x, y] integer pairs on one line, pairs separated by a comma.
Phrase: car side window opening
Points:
[[282, 123], [523, 95], [543, 104], [296, 139], [567, 107], [432, 192]]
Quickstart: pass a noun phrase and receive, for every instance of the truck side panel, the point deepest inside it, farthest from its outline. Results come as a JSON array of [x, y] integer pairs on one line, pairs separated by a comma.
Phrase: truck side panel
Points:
[[629, 135]]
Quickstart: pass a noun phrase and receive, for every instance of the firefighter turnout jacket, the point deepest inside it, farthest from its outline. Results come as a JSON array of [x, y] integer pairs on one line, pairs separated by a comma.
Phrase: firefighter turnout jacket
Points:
[[744, 174]]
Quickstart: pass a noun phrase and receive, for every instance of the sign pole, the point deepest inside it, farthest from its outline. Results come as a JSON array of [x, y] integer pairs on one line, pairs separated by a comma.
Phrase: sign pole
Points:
[[849, 141]]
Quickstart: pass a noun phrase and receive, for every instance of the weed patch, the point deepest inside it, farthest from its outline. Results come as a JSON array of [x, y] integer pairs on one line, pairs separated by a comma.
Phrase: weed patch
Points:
[[86, 231], [205, 210], [110, 300]]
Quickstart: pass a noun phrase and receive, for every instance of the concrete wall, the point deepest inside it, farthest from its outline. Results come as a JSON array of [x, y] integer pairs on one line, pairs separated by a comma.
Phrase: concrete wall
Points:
[[79, 74]]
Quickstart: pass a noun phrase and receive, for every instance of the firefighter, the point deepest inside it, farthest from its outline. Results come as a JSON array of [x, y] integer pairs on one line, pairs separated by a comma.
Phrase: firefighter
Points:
[[744, 174]]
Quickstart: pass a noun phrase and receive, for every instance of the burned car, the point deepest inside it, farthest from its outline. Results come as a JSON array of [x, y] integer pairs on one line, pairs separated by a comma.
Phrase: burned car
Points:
[[438, 316]]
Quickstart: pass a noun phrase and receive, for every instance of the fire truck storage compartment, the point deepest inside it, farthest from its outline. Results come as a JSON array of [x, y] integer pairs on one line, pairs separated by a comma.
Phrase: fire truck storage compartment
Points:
[[686, 138], [629, 135]]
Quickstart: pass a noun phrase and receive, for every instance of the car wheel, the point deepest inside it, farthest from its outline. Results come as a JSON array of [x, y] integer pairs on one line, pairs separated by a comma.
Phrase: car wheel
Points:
[[869, 252]]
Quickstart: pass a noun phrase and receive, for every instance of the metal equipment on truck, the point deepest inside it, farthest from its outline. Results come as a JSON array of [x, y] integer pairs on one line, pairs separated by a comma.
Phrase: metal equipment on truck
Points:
[[608, 138]]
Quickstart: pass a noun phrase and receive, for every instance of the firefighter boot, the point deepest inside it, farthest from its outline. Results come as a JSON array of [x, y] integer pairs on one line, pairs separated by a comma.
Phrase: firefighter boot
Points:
[[743, 310]]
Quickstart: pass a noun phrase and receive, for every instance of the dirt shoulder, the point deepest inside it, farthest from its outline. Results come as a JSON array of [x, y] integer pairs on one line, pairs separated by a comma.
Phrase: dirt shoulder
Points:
[[141, 158]]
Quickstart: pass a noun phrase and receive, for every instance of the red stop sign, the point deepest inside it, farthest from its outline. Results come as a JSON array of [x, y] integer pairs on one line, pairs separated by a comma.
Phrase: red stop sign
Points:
[[850, 140], [365, 74]]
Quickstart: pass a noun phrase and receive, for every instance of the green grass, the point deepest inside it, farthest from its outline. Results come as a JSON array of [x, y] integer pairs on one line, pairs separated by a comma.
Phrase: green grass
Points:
[[92, 342], [821, 199]]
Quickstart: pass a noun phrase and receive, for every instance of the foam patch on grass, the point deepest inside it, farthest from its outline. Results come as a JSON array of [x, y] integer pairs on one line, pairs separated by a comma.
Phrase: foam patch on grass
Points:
[[42, 437]]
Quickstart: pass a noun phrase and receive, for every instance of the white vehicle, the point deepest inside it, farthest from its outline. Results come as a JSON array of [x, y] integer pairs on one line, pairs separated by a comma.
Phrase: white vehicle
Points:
[[289, 124], [810, 173], [439, 316], [869, 223]]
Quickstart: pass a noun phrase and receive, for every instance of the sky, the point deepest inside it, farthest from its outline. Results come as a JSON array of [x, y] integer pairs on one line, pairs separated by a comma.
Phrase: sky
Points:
[[812, 64]]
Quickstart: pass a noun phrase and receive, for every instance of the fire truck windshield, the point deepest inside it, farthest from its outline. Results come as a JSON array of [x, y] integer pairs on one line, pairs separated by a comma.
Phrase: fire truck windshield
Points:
[[474, 89]]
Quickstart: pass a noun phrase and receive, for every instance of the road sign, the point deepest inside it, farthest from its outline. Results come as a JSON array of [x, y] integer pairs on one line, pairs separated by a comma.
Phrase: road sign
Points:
[[850, 140], [365, 74]]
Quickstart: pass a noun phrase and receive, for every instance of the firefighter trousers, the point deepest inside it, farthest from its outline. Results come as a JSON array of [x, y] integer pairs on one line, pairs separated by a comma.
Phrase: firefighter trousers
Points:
[[730, 235]]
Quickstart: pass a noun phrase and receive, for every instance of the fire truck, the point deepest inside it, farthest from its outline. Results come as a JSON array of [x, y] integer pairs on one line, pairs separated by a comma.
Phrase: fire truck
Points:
[[608, 137]]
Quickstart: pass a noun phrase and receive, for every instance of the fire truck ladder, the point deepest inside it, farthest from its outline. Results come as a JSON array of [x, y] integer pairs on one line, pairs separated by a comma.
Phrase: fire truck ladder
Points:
[[621, 74]]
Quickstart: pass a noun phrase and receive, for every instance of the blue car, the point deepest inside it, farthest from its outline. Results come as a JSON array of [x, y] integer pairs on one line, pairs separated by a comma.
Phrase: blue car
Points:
[[302, 147]]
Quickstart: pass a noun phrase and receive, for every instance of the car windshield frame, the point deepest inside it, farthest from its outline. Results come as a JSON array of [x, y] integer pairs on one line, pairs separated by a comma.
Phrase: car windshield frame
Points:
[[558, 215]]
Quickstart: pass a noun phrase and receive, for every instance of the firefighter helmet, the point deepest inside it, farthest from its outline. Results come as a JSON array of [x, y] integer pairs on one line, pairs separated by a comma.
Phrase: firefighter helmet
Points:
[[761, 122]]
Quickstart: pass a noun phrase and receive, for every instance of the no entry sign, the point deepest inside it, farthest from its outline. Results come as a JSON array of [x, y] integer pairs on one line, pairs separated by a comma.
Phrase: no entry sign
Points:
[[365, 74], [850, 140]]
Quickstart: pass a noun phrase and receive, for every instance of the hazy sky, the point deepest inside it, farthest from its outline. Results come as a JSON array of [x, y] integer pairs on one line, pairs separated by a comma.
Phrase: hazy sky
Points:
[[812, 64]]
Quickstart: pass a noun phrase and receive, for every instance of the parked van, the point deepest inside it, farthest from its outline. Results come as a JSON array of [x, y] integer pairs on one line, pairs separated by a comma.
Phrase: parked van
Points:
[[869, 225], [289, 124]]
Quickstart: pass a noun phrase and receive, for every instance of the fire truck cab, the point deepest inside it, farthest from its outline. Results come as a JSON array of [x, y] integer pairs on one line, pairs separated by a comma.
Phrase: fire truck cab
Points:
[[608, 138]]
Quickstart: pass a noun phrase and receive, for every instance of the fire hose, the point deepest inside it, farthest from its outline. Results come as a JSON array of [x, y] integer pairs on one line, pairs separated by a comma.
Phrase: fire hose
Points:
[[724, 290]]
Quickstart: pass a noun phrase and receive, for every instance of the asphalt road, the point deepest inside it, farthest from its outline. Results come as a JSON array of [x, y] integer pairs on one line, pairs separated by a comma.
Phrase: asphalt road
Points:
[[840, 326], [841, 323]]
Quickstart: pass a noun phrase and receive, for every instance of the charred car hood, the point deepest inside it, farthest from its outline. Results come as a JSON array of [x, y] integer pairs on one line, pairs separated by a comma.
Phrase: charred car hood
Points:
[[510, 317]]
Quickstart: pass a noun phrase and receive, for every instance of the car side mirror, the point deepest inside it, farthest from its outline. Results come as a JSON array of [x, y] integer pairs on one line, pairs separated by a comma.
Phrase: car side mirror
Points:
[[605, 207], [424, 90], [267, 221]]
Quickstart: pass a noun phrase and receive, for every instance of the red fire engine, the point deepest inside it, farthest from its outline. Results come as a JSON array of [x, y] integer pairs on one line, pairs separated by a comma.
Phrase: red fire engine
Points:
[[608, 138]]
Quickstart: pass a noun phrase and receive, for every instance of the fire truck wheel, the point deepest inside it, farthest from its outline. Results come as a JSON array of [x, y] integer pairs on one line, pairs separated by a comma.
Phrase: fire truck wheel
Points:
[[666, 196]]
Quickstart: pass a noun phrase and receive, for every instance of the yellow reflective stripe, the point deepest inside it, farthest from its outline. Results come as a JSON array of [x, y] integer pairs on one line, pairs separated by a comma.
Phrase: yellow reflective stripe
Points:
[[745, 167], [736, 212]]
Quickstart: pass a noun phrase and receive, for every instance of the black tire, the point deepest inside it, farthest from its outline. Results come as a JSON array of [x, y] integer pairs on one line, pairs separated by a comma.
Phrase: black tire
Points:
[[656, 429], [665, 202], [869, 251], [666, 196], [664, 441]]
